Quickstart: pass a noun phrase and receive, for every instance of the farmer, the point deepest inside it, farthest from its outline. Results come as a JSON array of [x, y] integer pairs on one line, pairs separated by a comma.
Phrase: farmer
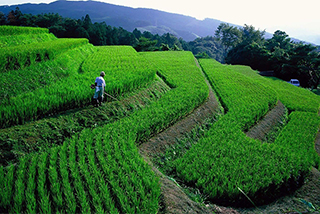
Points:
[[100, 85]]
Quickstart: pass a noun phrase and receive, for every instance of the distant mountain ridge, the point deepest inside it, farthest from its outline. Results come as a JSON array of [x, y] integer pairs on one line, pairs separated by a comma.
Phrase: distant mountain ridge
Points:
[[143, 19], [154, 21]]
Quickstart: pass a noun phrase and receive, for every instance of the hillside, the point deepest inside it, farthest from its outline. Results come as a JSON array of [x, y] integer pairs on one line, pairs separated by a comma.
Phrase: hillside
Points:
[[128, 18], [177, 139]]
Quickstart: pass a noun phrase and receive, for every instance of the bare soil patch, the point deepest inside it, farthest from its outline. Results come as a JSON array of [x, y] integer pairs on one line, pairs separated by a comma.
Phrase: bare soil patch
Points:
[[265, 125]]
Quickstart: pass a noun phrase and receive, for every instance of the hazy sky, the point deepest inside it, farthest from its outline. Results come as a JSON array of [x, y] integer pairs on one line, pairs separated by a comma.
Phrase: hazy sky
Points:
[[297, 18]]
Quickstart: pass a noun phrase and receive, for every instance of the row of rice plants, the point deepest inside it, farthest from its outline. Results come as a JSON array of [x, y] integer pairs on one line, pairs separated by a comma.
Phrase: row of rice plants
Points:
[[6, 30], [106, 171], [125, 69], [225, 161], [83, 175], [16, 57], [294, 98]]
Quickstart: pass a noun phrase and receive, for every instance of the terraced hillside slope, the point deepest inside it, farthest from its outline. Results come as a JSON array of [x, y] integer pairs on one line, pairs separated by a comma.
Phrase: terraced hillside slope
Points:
[[60, 154]]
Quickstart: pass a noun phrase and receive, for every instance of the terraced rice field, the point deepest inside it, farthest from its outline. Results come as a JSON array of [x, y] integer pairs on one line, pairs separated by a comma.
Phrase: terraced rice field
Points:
[[87, 159]]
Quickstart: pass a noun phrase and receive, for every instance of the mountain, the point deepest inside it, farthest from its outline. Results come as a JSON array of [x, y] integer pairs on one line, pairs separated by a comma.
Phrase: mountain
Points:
[[155, 21]]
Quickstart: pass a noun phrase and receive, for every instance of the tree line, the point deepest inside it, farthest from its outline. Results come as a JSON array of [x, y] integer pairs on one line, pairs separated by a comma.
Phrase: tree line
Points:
[[232, 45], [288, 59]]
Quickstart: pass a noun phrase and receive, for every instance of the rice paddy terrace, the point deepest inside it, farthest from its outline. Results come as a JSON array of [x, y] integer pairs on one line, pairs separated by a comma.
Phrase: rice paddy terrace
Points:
[[60, 154]]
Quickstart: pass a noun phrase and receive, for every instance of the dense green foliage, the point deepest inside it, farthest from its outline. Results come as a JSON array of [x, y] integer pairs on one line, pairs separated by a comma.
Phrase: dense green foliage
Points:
[[288, 60], [22, 39], [17, 141], [19, 106]]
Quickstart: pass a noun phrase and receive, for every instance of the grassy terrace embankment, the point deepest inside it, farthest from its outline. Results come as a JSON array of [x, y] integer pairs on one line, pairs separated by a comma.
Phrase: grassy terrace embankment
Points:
[[225, 161]]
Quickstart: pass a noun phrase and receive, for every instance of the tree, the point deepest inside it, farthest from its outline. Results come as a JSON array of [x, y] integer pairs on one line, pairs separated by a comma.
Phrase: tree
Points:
[[279, 46], [250, 35], [303, 65], [145, 44], [14, 17], [279, 40], [250, 50], [2, 19], [208, 45], [137, 33], [229, 36]]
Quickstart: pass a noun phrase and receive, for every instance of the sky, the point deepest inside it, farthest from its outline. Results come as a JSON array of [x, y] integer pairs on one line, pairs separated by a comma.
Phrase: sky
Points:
[[299, 19]]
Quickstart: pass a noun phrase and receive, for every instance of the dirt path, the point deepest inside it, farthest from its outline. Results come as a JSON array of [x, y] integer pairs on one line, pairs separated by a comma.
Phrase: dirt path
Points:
[[265, 125]]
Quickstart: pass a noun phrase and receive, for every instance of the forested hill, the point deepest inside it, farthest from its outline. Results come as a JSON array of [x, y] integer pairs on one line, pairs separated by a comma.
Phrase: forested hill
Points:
[[154, 21]]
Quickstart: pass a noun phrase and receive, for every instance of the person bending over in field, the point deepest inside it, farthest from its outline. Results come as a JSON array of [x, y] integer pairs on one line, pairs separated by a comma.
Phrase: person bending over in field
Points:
[[100, 85]]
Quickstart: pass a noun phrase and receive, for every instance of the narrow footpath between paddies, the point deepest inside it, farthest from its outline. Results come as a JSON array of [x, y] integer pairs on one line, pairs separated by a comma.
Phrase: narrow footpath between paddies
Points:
[[174, 199], [271, 119]]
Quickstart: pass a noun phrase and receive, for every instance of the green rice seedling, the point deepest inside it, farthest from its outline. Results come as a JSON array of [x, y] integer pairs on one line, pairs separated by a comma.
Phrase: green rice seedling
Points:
[[31, 200], [55, 185], [299, 136], [19, 193], [8, 187], [76, 176], [109, 154], [70, 201], [92, 188], [44, 205], [60, 96], [125, 69], [20, 104], [295, 98]]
